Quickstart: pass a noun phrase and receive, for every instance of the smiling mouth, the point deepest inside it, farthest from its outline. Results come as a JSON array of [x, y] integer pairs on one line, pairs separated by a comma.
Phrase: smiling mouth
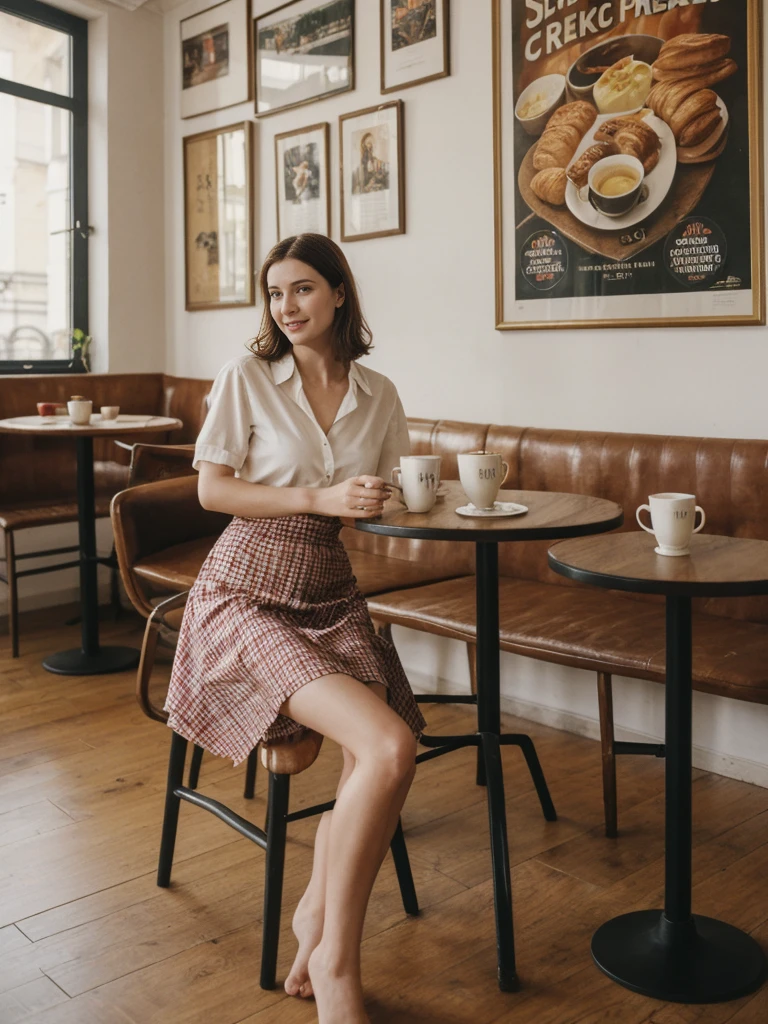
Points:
[[293, 324]]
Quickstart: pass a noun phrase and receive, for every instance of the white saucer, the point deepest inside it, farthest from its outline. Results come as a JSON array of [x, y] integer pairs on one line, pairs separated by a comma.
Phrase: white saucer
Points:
[[499, 511], [672, 554]]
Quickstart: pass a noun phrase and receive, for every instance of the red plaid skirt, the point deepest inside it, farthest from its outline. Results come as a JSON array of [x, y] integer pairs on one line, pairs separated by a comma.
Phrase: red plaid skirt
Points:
[[274, 607]]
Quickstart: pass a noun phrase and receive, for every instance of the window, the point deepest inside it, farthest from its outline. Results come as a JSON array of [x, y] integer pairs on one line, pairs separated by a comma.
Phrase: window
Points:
[[43, 186]]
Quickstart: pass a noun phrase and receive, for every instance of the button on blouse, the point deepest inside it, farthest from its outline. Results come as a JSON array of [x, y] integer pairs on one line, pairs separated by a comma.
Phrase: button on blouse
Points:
[[262, 426]]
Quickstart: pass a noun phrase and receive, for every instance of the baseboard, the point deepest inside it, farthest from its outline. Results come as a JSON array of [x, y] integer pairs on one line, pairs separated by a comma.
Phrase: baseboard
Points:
[[739, 768]]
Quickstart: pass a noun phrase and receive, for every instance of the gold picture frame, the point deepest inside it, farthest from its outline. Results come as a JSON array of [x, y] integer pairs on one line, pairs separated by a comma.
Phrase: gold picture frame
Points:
[[218, 218], [371, 175], [728, 285], [209, 83], [424, 50]]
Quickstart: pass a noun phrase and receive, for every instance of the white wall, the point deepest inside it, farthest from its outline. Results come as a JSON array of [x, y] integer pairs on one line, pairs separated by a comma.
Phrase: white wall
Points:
[[429, 295]]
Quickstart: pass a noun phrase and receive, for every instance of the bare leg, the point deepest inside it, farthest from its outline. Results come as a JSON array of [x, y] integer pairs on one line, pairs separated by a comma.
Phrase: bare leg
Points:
[[360, 829]]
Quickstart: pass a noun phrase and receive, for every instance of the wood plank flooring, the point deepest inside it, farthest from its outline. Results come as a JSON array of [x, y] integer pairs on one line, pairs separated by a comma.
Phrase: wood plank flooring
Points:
[[86, 937]]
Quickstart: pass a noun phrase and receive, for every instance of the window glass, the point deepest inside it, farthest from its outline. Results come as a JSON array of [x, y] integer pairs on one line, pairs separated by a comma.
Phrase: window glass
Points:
[[35, 243], [35, 55]]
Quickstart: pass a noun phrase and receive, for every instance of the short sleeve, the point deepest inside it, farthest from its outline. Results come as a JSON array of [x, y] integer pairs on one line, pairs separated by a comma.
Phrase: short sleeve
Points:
[[226, 432], [396, 441]]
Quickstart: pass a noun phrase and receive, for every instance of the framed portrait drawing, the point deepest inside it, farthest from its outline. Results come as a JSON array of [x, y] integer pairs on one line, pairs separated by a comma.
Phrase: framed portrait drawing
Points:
[[303, 51], [629, 185], [218, 218], [372, 172], [414, 41], [303, 187], [214, 58]]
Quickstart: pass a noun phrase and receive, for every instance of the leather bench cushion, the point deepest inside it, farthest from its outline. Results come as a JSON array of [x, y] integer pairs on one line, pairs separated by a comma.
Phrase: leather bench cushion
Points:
[[109, 477], [176, 568], [591, 629]]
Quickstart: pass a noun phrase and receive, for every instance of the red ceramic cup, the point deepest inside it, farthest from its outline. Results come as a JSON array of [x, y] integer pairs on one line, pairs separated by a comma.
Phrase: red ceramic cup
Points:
[[46, 408]]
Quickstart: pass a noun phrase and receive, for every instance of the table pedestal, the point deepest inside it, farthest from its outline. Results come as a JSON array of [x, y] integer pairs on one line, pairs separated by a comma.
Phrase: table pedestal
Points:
[[672, 954], [489, 740], [91, 658]]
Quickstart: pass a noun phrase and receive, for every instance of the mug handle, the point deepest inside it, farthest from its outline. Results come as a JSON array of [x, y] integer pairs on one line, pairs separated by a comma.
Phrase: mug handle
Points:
[[703, 518], [505, 467], [646, 508], [397, 483]]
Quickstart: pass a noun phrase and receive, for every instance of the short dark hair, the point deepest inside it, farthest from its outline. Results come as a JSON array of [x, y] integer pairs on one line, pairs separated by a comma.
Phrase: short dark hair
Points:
[[352, 336]]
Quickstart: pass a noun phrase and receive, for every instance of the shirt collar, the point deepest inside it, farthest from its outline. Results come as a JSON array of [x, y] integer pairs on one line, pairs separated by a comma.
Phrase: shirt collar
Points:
[[283, 369]]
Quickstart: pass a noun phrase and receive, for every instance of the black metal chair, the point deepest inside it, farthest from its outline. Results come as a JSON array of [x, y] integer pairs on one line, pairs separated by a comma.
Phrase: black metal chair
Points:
[[282, 760]]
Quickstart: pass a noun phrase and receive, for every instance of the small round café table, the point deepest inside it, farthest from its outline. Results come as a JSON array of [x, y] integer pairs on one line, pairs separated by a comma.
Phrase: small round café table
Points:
[[672, 954], [91, 658], [550, 515]]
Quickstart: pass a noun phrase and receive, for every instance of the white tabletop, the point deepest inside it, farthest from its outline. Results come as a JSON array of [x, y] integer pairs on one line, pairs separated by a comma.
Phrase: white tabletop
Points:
[[61, 426]]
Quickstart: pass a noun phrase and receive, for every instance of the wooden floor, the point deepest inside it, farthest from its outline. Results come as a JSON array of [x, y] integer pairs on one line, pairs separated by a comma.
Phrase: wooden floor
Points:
[[86, 937]]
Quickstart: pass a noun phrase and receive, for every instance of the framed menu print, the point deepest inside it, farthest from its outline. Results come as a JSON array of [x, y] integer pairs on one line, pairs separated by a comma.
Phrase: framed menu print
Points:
[[218, 218], [304, 51], [414, 40], [372, 169], [301, 174], [214, 58], [628, 164]]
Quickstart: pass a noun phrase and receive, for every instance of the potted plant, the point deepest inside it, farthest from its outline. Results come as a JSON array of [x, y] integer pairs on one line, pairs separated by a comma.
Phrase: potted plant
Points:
[[81, 342]]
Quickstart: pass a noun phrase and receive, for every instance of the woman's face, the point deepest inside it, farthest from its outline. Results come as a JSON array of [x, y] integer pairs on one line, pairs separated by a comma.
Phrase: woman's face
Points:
[[302, 302]]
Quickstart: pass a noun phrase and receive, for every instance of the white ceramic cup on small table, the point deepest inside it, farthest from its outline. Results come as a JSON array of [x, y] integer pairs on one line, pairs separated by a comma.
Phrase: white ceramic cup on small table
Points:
[[418, 477], [482, 474], [80, 410], [673, 517], [109, 412]]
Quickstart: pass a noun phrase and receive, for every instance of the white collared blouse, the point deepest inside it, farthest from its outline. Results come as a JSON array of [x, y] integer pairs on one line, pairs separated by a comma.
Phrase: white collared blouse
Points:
[[262, 426]]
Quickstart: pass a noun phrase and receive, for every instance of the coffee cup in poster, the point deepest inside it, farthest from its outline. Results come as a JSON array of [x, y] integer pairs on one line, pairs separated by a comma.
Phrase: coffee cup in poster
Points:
[[615, 185]]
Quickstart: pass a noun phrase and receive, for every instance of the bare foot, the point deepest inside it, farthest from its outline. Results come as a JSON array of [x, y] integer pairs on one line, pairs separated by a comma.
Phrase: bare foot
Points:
[[308, 929], [339, 992]]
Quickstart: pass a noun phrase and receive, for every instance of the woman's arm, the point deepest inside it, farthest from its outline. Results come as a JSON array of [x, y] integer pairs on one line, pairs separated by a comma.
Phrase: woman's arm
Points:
[[219, 490]]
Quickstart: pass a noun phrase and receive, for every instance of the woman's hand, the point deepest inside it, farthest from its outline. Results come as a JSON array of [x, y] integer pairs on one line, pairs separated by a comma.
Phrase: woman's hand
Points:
[[361, 497]]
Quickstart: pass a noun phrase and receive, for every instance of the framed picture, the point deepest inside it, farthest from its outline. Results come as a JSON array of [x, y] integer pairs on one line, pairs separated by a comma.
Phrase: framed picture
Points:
[[218, 218], [301, 174], [415, 42], [215, 58], [304, 51], [629, 183], [372, 171]]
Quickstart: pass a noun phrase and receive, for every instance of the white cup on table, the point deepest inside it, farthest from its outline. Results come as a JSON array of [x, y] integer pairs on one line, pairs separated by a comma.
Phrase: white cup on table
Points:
[[673, 518], [80, 410], [482, 474], [418, 477]]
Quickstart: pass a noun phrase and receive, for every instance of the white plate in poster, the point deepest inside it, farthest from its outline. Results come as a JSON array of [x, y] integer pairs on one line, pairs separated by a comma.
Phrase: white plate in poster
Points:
[[500, 510], [659, 181]]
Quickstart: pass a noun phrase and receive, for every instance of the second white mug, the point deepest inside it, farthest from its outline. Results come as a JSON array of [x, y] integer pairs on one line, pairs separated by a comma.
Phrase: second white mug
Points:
[[673, 517], [418, 477], [482, 474]]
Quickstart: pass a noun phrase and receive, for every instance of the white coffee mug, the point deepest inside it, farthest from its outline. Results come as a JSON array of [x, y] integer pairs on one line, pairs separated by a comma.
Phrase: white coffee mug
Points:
[[80, 411], [109, 412], [418, 477], [482, 474], [673, 517]]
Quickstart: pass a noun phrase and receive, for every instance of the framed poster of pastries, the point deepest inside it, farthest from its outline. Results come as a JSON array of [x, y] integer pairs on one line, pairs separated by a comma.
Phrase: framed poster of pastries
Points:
[[218, 218], [415, 42], [214, 58], [628, 164], [372, 172], [303, 186], [303, 51]]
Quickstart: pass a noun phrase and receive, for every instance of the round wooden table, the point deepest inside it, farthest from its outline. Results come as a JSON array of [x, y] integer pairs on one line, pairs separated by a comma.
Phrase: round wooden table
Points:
[[550, 515], [672, 954], [91, 658]]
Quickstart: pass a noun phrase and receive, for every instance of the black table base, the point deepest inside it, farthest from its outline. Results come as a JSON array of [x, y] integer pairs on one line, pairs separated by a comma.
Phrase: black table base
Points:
[[78, 662], [704, 961]]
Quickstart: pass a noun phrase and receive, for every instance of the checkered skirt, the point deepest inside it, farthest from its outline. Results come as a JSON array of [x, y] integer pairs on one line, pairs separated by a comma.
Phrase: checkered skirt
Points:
[[275, 606]]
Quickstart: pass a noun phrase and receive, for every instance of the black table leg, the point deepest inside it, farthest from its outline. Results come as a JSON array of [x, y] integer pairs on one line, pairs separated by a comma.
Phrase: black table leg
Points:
[[489, 727], [91, 658], [672, 954]]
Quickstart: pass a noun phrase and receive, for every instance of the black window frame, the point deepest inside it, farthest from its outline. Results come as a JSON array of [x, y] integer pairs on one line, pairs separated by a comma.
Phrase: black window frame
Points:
[[77, 104]]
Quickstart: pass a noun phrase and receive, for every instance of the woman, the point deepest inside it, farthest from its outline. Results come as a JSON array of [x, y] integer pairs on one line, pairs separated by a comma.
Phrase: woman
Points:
[[276, 635]]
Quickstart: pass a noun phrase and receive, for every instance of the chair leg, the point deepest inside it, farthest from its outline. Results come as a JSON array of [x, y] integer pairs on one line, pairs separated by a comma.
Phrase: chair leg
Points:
[[404, 873], [250, 774], [172, 802], [114, 585], [279, 791], [384, 629], [194, 767], [13, 593], [605, 704]]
